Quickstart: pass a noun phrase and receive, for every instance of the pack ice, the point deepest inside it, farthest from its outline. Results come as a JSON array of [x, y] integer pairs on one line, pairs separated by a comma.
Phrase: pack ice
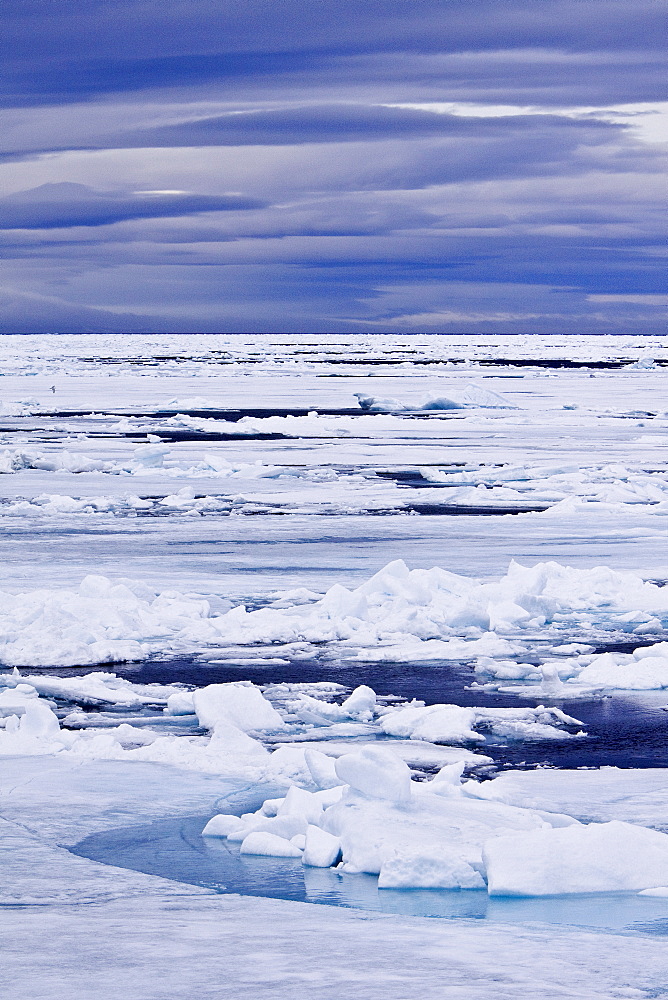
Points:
[[397, 615], [238, 716]]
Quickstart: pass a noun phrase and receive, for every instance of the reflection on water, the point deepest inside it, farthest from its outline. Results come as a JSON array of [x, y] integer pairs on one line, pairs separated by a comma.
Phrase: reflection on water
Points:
[[175, 849]]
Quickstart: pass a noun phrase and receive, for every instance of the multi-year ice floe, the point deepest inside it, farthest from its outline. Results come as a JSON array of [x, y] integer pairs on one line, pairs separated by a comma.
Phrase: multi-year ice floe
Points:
[[397, 615], [645, 669], [368, 816], [147, 460], [309, 425]]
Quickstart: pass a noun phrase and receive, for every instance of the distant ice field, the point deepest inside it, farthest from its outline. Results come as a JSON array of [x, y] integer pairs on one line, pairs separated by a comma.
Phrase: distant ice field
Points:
[[406, 598]]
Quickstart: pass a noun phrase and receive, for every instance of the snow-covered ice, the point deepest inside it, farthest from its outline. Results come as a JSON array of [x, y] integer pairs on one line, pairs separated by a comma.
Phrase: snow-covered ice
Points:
[[600, 857], [317, 518]]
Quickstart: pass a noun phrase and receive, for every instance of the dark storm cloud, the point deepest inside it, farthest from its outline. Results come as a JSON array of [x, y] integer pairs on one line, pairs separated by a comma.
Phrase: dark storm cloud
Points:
[[57, 206], [354, 211], [25, 313], [153, 27], [547, 78]]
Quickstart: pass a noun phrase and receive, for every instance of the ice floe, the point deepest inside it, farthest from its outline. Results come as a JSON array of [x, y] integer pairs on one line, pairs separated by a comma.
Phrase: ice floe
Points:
[[610, 485], [600, 857], [441, 834]]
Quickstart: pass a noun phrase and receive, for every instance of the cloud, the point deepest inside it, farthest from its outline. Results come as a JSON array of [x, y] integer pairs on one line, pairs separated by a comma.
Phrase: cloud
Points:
[[373, 191], [22, 312], [349, 123], [54, 52], [58, 206]]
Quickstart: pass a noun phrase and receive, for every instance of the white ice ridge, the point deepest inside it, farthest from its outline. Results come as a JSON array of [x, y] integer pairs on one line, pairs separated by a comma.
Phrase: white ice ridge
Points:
[[471, 396], [397, 615], [566, 487], [153, 459], [366, 815]]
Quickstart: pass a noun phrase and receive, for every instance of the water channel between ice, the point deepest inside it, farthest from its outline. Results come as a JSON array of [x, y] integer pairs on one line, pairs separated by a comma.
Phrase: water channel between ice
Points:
[[627, 730]]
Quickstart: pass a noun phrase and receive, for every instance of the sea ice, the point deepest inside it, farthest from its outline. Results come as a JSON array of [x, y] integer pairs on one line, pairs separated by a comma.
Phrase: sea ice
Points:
[[430, 868], [240, 704], [376, 772], [268, 844], [321, 849], [600, 857], [388, 617]]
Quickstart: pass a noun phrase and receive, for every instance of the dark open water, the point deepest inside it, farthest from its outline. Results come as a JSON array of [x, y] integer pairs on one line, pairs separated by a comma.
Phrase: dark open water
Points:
[[627, 729]]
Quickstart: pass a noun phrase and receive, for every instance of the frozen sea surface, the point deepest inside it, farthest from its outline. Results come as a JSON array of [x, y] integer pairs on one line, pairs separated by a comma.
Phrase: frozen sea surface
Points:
[[240, 469]]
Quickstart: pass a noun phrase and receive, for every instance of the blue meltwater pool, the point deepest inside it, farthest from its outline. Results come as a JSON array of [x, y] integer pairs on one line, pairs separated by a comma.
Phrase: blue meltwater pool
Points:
[[175, 849]]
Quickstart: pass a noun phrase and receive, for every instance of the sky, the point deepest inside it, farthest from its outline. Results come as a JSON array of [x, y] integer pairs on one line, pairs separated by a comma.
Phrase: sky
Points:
[[418, 166]]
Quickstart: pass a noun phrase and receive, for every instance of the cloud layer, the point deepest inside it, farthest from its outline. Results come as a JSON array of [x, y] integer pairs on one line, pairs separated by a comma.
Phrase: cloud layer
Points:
[[264, 165]]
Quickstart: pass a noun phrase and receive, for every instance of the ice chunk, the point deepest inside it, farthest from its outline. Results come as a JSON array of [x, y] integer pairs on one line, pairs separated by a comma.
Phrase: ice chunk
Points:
[[287, 765], [644, 670], [601, 857], [39, 720], [240, 704], [361, 704], [435, 868], [448, 781], [435, 724], [151, 455], [377, 773], [322, 849], [13, 701], [269, 845], [374, 830], [299, 802], [322, 768], [227, 739], [477, 395], [376, 404], [279, 826], [222, 826], [441, 403], [180, 703]]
